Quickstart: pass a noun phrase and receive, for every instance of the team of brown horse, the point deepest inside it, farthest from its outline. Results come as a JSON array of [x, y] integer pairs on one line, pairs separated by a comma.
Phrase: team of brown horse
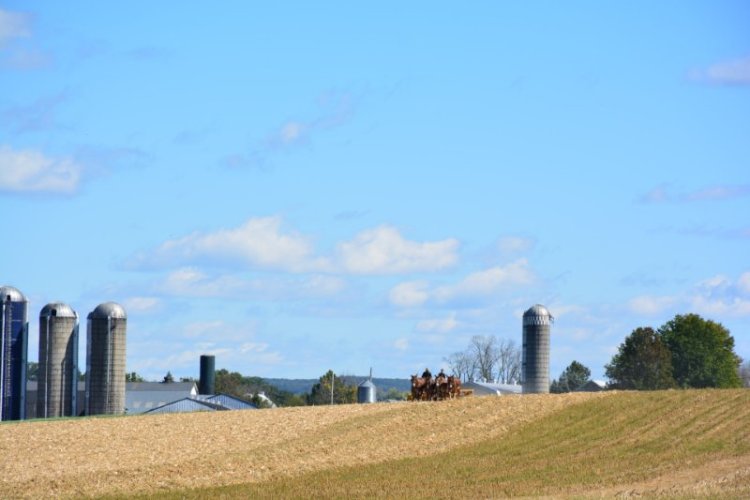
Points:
[[435, 389]]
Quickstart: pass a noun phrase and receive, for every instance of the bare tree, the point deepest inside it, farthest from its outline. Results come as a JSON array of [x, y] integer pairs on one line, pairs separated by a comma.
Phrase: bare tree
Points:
[[485, 353], [462, 365], [508, 362]]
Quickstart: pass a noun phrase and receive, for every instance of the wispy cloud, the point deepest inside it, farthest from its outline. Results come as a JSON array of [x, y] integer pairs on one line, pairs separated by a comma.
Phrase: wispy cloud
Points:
[[13, 25], [476, 286], [509, 245], [32, 172], [334, 109], [730, 72], [439, 325], [193, 282], [34, 117], [663, 194]]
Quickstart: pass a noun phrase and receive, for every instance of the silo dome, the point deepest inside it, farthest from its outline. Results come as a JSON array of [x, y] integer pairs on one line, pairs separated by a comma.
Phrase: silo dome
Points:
[[537, 315], [59, 309], [108, 310], [14, 294]]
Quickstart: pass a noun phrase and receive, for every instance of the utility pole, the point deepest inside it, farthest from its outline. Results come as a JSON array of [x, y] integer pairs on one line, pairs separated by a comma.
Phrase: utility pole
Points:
[[333, 377]]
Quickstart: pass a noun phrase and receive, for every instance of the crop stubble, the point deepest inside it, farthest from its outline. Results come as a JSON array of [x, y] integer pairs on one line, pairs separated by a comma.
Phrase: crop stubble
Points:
[[149, 453]]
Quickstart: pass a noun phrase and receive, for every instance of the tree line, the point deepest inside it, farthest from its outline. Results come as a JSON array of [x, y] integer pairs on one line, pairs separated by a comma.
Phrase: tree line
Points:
[[686, 352]]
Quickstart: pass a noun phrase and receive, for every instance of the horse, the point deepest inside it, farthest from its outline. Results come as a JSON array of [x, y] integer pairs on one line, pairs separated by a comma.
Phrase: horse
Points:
[[454, 386], [442, 388], [419, 388]]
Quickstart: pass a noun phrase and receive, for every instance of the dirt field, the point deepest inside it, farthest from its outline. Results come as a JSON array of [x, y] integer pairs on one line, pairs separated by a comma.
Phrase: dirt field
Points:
[[125, 455]]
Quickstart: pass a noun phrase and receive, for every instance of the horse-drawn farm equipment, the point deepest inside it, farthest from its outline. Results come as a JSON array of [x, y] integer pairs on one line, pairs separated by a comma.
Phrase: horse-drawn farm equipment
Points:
[[436, 389]]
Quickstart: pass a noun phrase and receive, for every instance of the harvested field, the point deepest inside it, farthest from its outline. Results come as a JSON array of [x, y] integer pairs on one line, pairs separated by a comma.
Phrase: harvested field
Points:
[[151, 453], [669, 443]]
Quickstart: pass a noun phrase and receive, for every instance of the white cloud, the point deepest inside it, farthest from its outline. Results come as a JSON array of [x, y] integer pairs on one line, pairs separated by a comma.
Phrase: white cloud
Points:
[[743, 283], [31, 171], [401, 344], [442, 325], [383, 250], [733, 72], [477, 285], [13, 25], [715, 296], [488, 281], [192, 282], [259, 242], [262, 243], [142, 304], [514, 244], [648, 305], [661, 194], [409, 294]]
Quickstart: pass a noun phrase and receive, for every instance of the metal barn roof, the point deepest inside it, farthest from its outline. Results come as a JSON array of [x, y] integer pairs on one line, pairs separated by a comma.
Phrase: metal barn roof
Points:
[[187, 405], [229, 402], [141, 397]]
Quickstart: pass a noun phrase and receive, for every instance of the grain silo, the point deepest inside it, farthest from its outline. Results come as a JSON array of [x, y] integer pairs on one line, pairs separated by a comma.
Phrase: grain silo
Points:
[[207, 382], [57, 378], [366, 391], [105, 360], [14, 342], [535, 358]]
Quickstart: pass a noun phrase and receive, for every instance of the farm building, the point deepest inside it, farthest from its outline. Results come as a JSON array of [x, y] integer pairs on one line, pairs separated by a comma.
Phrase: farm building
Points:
[[491, 389], [593, 386], [201, 402], [141, 397]]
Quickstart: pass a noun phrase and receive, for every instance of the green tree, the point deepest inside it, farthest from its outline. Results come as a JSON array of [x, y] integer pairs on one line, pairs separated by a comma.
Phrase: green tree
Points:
[[240, 386], [133, 377], [573, 377], [344, 391], [702, 352], [643, 362], [168, 378]]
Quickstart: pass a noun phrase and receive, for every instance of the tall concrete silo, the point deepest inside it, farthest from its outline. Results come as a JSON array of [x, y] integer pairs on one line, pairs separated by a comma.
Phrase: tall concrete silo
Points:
[[207, 382], [105, 360], [57, 379], [14, 344], [535, 358]]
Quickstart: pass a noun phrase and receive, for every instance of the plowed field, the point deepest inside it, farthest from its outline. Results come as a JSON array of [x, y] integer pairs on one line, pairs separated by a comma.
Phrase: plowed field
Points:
[[97, 456]]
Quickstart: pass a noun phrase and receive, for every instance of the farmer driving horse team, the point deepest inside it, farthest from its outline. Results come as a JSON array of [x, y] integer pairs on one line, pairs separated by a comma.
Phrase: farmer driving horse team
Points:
[[442, 387]]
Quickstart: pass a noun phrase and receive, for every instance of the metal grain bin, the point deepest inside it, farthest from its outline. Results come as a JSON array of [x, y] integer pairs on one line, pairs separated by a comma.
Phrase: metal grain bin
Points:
[[105, 360], [57, 386], [535, 358], [366, 392], [14, 342]]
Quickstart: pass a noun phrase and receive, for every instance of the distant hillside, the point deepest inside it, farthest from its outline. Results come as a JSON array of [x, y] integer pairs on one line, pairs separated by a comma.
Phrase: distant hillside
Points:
[[304, 385]]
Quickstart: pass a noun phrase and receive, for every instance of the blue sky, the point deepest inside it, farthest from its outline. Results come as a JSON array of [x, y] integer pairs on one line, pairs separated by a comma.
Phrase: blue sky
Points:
[[306, 186]]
